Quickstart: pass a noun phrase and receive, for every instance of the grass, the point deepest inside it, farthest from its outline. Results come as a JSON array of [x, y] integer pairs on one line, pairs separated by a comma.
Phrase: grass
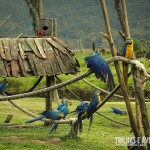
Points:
[[101, 137]]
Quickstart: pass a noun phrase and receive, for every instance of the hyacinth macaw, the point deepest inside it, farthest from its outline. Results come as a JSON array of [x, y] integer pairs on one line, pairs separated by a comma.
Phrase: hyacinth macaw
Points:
[[3, 85], [116, 111], [53, 114], [100, 67], [92, 106], [81, 110], [65, 109], [127, 52]]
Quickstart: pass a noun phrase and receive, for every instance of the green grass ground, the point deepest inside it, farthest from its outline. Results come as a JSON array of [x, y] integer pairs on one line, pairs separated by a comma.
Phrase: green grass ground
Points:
[[101, 137]]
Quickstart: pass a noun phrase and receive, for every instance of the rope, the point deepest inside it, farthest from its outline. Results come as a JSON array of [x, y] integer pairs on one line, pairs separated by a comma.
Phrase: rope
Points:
[[107, 92], [113, 120], [17, 96]]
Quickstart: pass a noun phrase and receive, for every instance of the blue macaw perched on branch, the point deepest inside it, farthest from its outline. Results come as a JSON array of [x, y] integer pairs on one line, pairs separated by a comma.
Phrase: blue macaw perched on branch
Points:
[[65, 109], [53, 114], [116, 111], [92, 106], [81, 110], [63, 101], [100, 67], [3, 85], [127, 52]]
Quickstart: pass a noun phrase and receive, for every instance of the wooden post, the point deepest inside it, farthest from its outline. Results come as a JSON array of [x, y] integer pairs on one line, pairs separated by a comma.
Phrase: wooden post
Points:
[[108, 36], [9, 117], [49, 82], [139, 77], [40, 8]]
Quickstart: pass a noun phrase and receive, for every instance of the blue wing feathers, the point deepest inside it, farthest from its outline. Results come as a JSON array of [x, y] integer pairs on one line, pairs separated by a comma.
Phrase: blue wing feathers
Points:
[[2, 86], [101, 69]]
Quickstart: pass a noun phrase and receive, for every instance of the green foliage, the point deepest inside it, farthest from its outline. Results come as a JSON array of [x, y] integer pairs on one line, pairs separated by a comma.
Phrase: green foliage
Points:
[[137, 45]]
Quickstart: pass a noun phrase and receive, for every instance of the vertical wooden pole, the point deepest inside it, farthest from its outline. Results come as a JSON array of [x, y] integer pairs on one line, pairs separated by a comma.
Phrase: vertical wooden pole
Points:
[[118, 71], [49, 82], [40, 9], [125, 16], [54, 27], [138, 116]]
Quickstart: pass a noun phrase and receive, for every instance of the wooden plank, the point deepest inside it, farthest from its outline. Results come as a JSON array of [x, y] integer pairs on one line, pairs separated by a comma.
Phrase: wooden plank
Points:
[[13, 49], [40, 48], [2, 54], [39, 65], [6, 47], [46, 46], [21, 51], [14, 68], [59, 41], [60, 62], [3, 72], [48, 67], [32, 65], [22, 67], [32, 46], [69, 63], [7, 67], [54, 63], [56, 45]]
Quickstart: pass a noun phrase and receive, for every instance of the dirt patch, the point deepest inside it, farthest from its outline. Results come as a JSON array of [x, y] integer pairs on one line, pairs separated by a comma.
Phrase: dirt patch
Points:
[[55, 141], [13, 138]]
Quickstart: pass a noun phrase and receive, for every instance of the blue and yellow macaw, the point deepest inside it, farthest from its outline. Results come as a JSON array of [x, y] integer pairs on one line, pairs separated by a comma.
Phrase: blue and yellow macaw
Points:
[[92, 106], [52, 114], [127, 52], [116, 111], [81, 110], [63, 101], [100, 67], [65, 109], [3, 86]]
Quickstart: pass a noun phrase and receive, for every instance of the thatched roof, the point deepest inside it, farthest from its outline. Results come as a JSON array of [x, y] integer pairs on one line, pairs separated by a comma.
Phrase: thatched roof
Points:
[[35, 57]]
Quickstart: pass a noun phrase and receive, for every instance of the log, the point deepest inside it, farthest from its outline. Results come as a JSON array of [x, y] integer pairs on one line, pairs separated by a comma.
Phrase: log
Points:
[[9, 117]]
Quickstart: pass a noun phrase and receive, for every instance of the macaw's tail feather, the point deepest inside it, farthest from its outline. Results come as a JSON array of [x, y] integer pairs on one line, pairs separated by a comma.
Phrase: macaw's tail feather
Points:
[[54, 127], [35, 119], [90, 123], [125, 72], [80, 126]]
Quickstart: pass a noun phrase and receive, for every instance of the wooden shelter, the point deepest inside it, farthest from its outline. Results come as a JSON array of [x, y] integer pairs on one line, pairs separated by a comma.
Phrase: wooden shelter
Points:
[[35, 56]]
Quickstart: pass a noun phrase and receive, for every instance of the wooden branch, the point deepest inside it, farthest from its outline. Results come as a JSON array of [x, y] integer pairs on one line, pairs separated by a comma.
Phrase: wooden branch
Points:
[[122, 35], [34, 14], [120, 15], [138, 77], [120, 76], [124, 9], [105, 35]]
